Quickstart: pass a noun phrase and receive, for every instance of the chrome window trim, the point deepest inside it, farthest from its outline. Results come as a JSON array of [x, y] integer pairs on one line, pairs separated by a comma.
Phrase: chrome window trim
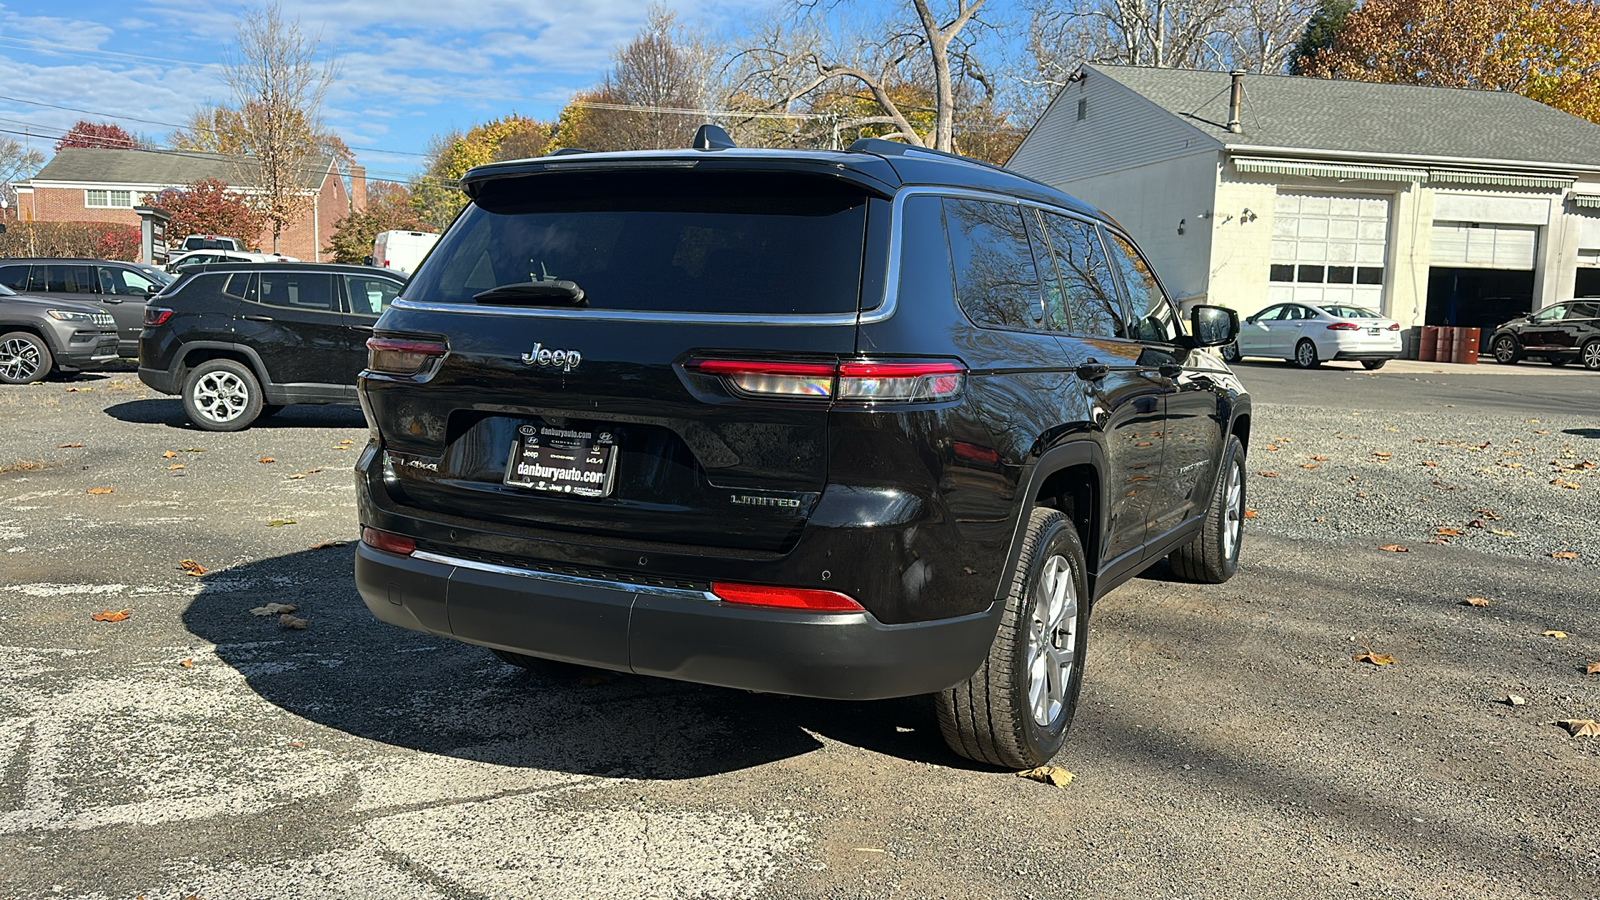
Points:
[[574, 580], [879, 313]]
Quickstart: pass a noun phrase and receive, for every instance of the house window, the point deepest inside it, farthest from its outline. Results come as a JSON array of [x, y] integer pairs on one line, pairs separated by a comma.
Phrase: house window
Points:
[[105, 199], [1083, 109]]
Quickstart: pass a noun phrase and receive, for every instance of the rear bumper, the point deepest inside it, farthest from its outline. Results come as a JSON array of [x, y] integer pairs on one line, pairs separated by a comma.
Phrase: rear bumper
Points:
[[1367, 354], [159, 380], [675, 633]]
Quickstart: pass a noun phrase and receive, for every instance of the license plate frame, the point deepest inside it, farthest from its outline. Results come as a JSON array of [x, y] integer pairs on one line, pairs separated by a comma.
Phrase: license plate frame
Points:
[[1374, 331], [567, 460]]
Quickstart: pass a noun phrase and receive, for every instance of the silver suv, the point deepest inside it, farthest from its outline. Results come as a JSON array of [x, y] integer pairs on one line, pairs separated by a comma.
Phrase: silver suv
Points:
[[39, 336]]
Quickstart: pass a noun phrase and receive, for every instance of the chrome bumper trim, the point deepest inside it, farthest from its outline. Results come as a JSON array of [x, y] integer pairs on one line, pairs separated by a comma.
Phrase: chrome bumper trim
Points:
[[576, 580]]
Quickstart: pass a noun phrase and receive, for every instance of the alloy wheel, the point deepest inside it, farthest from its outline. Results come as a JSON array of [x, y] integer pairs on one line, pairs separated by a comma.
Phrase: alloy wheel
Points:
[[1052, 636], [19, 360], [221, 396], [1305, 354], [1505, 349], [1233, 516], [1590, 355]]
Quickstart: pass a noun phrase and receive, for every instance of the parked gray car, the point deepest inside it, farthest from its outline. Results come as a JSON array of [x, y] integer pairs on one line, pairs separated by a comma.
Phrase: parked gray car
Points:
[[119, 288], [40, 336]]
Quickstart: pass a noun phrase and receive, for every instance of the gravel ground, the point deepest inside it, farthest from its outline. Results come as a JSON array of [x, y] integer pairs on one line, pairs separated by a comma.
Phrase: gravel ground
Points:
[[1228, 745]]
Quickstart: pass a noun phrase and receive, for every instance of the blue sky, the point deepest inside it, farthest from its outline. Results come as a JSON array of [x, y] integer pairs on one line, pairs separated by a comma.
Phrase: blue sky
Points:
[[410, 70]]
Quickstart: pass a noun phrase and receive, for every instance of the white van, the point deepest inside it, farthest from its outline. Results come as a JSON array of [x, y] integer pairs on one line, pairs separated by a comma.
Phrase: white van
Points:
[[401, 250]]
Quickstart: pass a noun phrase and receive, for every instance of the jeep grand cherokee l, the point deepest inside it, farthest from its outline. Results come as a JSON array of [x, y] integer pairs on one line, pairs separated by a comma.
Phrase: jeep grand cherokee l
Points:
[[858, 424]]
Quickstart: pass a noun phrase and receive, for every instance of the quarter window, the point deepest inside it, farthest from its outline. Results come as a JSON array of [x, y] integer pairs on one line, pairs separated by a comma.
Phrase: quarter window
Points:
[[1089, 296], [996, 281], [1156, 322], [369, 296]]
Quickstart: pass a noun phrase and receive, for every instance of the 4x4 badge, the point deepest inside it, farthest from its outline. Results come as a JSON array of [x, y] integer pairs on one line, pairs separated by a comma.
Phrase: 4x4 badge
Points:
[[567, 360]]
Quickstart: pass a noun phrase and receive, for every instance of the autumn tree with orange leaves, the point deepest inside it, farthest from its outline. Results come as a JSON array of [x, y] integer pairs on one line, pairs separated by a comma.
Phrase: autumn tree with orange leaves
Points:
[[1547, 51]]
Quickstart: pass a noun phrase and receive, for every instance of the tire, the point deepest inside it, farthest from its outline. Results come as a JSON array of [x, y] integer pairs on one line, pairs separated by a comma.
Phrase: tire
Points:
[[1213, 556], [1589, 355], [1014, 711], [1372, 365], [221, 395], [1230, 352], [1305, 355], [24, 358], [1506, 351]]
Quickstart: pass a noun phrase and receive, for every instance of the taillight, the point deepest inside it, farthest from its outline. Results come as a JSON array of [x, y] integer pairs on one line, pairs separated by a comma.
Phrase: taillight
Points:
[[1395, 327], [402, 356], [1344, 326], [388, 542], [805, 599], [155, 315], [866, 382]]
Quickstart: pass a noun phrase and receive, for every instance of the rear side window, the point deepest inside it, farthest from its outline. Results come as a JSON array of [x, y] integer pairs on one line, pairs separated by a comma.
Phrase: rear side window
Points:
[[14, 277], [996, 281], [296, 290], [1089, 295], [63, 279], [369, 296], [660, 241], [1153, 319]]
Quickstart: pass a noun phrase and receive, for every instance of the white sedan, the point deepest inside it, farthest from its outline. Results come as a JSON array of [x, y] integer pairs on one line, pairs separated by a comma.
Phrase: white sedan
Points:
[[1306, 335]]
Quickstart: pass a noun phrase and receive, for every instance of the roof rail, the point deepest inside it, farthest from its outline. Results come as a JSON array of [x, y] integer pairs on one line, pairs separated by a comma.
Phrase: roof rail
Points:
[[712, 137], [882, 147], [567, 151]]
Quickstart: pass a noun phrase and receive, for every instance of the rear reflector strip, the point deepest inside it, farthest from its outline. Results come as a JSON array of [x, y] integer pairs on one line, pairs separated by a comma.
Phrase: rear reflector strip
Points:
[[804, 599], [388, 542]]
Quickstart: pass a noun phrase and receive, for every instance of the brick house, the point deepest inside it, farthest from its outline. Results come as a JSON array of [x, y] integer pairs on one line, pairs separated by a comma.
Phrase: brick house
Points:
[[84, 185], [1432, 205]]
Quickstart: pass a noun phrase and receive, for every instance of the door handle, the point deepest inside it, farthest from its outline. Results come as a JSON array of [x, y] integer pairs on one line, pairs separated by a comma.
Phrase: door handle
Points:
[[366, 328], [1093, 371], [257, 318]]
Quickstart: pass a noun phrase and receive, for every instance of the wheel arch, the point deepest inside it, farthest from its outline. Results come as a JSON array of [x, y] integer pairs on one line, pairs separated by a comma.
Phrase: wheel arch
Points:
[[204, 351], [1067, 478]]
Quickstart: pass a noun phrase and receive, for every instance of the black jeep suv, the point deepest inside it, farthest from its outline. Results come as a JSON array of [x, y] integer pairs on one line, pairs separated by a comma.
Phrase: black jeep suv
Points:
[[1558, 334], [241, 340], [857, 424]]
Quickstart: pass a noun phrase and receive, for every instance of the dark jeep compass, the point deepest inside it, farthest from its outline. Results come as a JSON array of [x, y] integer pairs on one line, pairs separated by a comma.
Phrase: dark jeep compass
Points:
[[856, 425]]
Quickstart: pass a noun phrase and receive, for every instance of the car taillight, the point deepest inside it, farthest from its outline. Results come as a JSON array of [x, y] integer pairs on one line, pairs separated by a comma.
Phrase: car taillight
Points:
[[1395, 327], [155, 315], [867, 382], [1344, 326], [804, 599], [387, 541], [402, 356]]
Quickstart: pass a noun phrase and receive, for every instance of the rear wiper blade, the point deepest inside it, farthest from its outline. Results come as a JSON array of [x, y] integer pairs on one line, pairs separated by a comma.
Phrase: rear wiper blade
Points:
[[535, 293]]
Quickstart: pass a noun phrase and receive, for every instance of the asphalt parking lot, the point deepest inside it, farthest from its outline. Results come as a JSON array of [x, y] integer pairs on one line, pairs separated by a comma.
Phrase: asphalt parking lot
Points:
[[1229, 744]]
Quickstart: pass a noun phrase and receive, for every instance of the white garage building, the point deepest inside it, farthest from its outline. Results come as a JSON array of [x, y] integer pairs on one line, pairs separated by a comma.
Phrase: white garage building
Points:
[[1435, 206]]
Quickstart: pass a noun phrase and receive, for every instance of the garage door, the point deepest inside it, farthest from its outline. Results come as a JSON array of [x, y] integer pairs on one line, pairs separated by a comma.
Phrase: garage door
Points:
[[1474, 245], [1329, 249]]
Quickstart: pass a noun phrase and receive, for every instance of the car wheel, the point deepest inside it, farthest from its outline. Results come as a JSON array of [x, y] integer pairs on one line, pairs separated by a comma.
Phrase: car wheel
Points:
[[1590, 355], [221, 395], [24, 358], [1014, 711], [1505, 350], [1371, 364], [1213, 556], [1230, 353], [1305, 354]]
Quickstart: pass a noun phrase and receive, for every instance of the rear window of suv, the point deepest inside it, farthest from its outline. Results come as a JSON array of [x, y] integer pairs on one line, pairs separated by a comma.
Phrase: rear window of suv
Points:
[[656, 241]]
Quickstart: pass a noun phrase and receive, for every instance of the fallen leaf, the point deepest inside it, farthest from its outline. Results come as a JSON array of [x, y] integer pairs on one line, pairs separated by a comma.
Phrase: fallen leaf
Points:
[[1319, 459], [268, 459], [1502, 533], [1308, 465], [1564, 554], [1558, 635], [1476, 523], [1580, 727], [1048, 775], [1380, 454], [1475, 601], [328, 545], [1249, 514], [194, 449], [75, 390], [1395, 548], [1268, 474], [1377, 659], [67, 446], [273, 609], [1448, 532], [297, 477], [1487, 514], [187, 663], [1431, 465], [1592, 669], [348, 441], [168, 455], [274, 523], [109, 616], [288, 621], [969, 570], [177, 466], [99, 490], [190, 567], [1514, 700], [1437, 540]]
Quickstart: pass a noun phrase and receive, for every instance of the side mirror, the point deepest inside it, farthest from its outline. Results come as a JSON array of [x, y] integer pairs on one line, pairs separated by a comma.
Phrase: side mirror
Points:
[[1213, 326]]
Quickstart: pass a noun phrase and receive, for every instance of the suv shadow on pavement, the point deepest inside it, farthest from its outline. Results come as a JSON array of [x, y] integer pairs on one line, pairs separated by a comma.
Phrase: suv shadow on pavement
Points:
[[170, 412], [351, 673]]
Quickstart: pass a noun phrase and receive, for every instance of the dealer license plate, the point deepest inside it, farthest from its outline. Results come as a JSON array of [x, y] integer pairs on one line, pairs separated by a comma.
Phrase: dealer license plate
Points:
[[1374, 331], [579, 462]]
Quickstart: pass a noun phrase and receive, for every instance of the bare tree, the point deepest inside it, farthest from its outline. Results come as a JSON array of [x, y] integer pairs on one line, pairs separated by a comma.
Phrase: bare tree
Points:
[[16, 163], [665, 70], [890, 61], [278, 86]]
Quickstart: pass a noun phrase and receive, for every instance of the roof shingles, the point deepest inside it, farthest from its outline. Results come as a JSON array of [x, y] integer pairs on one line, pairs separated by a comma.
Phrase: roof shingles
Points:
[[80, 164]]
